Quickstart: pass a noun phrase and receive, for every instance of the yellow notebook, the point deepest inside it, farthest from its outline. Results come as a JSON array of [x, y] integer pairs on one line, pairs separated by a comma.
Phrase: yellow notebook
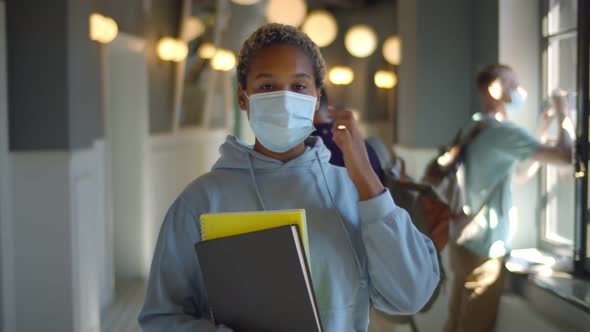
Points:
[[217, 225]]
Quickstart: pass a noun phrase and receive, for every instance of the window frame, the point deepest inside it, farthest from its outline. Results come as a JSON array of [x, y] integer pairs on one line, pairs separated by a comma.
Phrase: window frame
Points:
[[581, 259], [581, 243]]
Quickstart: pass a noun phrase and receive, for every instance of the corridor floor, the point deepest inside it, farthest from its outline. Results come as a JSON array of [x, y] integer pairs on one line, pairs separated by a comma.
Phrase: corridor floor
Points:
[[122, 315]]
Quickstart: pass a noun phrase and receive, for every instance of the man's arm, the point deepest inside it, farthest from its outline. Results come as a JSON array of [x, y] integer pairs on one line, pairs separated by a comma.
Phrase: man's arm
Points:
[[562, 153]]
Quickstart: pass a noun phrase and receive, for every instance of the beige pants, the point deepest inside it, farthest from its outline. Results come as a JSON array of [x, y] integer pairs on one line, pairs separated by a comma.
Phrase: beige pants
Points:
[[477, 287]]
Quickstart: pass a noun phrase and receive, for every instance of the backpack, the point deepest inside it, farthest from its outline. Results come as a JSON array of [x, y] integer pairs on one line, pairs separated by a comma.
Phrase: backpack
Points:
[[445, 174], [430, 214]]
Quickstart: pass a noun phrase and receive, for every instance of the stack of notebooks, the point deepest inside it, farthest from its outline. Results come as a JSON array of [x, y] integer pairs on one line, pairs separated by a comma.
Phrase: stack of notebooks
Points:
[[256, 271]]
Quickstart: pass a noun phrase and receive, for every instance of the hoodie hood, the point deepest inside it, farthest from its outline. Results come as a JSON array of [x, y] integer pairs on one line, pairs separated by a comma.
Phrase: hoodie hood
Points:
[[235, 154]]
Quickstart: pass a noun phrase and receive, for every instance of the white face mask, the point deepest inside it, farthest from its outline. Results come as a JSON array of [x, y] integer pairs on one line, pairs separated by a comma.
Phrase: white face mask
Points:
[[282, 119], [518, 98]]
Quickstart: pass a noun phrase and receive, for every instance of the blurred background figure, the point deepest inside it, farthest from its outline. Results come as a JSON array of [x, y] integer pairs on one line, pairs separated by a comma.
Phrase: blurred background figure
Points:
[[479, 248]]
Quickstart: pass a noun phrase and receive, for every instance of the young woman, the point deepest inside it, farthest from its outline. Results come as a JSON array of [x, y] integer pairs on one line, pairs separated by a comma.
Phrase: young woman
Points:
[[364, 249]]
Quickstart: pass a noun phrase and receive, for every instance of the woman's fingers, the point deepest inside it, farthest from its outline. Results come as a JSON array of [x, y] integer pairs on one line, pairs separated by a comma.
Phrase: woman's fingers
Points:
[[341, 135], [343, 119]]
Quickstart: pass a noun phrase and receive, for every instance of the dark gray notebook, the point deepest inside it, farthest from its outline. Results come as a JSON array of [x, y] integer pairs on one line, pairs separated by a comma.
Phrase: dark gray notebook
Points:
[[259, 281]]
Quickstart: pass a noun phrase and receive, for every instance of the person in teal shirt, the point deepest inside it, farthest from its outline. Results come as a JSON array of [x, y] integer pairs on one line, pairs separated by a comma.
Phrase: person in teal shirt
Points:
[[477, 253]]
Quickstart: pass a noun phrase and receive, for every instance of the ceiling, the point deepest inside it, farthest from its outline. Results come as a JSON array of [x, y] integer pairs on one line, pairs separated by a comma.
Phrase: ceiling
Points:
[[311, 3]]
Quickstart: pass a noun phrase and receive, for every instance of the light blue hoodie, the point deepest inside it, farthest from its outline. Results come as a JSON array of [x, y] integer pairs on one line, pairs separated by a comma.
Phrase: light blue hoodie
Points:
[[361, 252]]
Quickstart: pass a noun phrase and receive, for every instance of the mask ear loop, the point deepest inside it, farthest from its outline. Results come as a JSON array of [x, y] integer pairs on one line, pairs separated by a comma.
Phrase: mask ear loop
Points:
[[245, 95]]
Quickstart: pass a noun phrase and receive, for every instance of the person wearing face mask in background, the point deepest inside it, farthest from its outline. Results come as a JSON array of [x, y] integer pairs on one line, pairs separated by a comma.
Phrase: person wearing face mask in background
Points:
[[477, 255], [323, 123], [363, 248]]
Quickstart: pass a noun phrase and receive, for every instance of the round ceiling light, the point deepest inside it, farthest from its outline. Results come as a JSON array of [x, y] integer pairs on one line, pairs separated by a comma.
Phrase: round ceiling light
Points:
[[341, 75], [290, 12], [321, 27], [385, 79], [103, 29], [360, 41], [171, 49], [206, 51], [193, 28], [223, 60], [392, 50]]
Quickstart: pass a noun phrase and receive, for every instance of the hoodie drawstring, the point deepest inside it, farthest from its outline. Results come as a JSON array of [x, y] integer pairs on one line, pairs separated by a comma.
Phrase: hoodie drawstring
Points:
[[340, 219], [256, 188]]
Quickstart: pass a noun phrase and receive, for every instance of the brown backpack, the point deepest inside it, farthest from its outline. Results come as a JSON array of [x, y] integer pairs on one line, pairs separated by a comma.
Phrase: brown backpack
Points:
[[445, 174], [428, 211]]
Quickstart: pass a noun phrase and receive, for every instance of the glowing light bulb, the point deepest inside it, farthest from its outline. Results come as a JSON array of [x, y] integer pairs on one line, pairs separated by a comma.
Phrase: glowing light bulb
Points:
[[103, 29], [206, 51], [223, 60], [321, 27], [360, 41], [392, 50], [193, 28], [341, 75], [290, 12], [170, 49], [385, 79]]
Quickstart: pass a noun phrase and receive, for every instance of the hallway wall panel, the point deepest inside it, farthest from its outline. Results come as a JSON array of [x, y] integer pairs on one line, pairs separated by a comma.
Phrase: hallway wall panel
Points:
[[175, 161], [43, 266], [93, 273]]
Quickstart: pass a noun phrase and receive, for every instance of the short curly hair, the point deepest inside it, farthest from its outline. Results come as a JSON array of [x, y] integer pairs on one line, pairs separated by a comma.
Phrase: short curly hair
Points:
[[279, 34]]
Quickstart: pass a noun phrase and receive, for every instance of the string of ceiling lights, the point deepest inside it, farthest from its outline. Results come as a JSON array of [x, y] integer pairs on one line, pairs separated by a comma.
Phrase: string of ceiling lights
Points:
[[320, 25]]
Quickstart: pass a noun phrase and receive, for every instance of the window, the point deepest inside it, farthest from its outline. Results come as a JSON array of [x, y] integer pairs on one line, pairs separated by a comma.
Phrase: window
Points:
[[560, 16], [583, 149], [559, 70]]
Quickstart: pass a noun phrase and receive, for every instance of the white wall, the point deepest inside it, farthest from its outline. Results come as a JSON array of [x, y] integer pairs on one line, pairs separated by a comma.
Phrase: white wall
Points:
[[105, 226], [519, 47], [43, 264], [435, 76], [59, 235], [127, 132], [415, 159], [93, 288], [175, 161]]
